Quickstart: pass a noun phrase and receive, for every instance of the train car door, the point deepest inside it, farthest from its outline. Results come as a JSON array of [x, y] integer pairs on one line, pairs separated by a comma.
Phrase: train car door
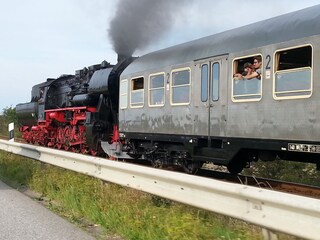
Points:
[[214, 97]]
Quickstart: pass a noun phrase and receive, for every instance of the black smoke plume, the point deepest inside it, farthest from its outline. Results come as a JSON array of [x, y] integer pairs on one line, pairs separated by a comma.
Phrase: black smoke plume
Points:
[[139, 23]]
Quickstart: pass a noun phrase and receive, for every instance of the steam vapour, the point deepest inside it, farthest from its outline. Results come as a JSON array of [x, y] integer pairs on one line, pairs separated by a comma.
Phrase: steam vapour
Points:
[[138, 23]]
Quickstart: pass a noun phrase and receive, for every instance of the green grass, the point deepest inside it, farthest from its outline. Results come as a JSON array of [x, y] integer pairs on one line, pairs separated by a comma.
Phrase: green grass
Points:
[[129, 213], [15, 169], [119, 210]]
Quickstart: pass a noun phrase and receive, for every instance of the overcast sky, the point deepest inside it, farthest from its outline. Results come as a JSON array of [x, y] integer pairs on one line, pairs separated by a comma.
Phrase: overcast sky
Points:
[[47, 38]]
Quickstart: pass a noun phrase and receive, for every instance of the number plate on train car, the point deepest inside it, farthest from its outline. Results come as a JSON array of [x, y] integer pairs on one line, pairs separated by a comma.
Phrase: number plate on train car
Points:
[[298, 147]]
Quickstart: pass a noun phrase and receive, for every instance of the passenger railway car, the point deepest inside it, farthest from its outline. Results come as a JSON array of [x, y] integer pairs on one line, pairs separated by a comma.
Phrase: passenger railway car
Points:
[[183, 106]]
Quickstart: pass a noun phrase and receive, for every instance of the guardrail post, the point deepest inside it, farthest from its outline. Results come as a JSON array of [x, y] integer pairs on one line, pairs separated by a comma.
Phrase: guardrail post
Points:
[[268, 234]]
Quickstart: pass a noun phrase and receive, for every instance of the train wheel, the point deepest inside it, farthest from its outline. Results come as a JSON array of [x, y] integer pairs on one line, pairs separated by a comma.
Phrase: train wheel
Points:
[[27, 135], [46, 142], [93, 152], [67, 137], [74, 149], [60, 138], [236, 166], [191, 167], [156, 163], [83, 149]]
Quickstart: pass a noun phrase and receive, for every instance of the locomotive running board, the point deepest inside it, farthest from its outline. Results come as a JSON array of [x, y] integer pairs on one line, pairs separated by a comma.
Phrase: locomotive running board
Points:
[[114, 150]]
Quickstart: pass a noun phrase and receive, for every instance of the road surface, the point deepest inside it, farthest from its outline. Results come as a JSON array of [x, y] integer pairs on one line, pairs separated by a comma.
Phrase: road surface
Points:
[[24, 218]]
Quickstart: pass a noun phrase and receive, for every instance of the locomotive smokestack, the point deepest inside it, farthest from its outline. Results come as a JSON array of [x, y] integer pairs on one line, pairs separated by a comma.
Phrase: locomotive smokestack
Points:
[[138, 23], [122, 57]]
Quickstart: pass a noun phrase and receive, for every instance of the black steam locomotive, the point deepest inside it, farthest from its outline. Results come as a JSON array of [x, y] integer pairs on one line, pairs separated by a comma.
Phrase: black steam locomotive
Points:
[[183, 106], [74, 112]]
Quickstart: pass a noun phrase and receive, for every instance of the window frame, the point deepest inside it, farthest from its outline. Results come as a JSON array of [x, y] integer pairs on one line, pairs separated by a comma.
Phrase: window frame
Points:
[[212, 79], [202, 83], [140, 90], [233, 99], [183, 85], [150, 89], [275, 71], [123, 94]]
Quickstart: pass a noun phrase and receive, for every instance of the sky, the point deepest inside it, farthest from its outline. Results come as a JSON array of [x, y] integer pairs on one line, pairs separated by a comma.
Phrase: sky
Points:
[[44, 39]]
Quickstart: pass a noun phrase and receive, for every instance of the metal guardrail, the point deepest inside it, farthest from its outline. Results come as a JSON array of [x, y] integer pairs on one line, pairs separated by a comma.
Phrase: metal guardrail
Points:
[[295, 215]]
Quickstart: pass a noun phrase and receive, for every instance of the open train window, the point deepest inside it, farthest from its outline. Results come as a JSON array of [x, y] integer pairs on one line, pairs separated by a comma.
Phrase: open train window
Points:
[[247, 79], [137, 92], [293, 73], [156, 89], [180, 86], [123, 94]]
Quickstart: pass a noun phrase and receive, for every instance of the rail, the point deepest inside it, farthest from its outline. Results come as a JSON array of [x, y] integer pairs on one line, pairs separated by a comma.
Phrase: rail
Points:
[[287, 213]]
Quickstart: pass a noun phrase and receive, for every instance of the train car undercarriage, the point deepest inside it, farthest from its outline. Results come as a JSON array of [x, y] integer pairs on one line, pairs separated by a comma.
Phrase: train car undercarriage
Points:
[[190, 153]]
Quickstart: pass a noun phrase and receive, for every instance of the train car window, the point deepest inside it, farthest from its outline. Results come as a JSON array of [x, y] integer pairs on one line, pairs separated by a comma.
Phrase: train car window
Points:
[[215, 81], [137, 92], [204, 82], [156, 90], [293, 73], [123, 94], [180, 87], [247, 79]]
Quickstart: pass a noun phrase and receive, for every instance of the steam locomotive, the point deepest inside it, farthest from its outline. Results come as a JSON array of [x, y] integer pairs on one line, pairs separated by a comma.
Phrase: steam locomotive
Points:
[[74, 112], [182, 106]]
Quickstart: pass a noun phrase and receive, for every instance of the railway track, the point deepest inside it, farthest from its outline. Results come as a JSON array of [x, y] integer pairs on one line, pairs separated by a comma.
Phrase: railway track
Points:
[[266, 183]]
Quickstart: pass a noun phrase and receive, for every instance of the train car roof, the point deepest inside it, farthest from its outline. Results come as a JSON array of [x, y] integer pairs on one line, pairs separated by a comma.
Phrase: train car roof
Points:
[[290, 26]]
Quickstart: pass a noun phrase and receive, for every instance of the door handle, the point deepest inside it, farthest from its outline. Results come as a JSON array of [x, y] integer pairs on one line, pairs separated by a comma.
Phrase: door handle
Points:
[[207, 105]]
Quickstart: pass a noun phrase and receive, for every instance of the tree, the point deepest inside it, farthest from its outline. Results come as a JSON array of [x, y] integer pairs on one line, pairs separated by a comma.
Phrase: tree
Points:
[[10, 115]]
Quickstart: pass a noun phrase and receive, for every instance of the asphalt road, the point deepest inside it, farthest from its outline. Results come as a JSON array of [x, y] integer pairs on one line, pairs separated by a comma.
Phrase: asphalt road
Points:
[[22, 218]]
